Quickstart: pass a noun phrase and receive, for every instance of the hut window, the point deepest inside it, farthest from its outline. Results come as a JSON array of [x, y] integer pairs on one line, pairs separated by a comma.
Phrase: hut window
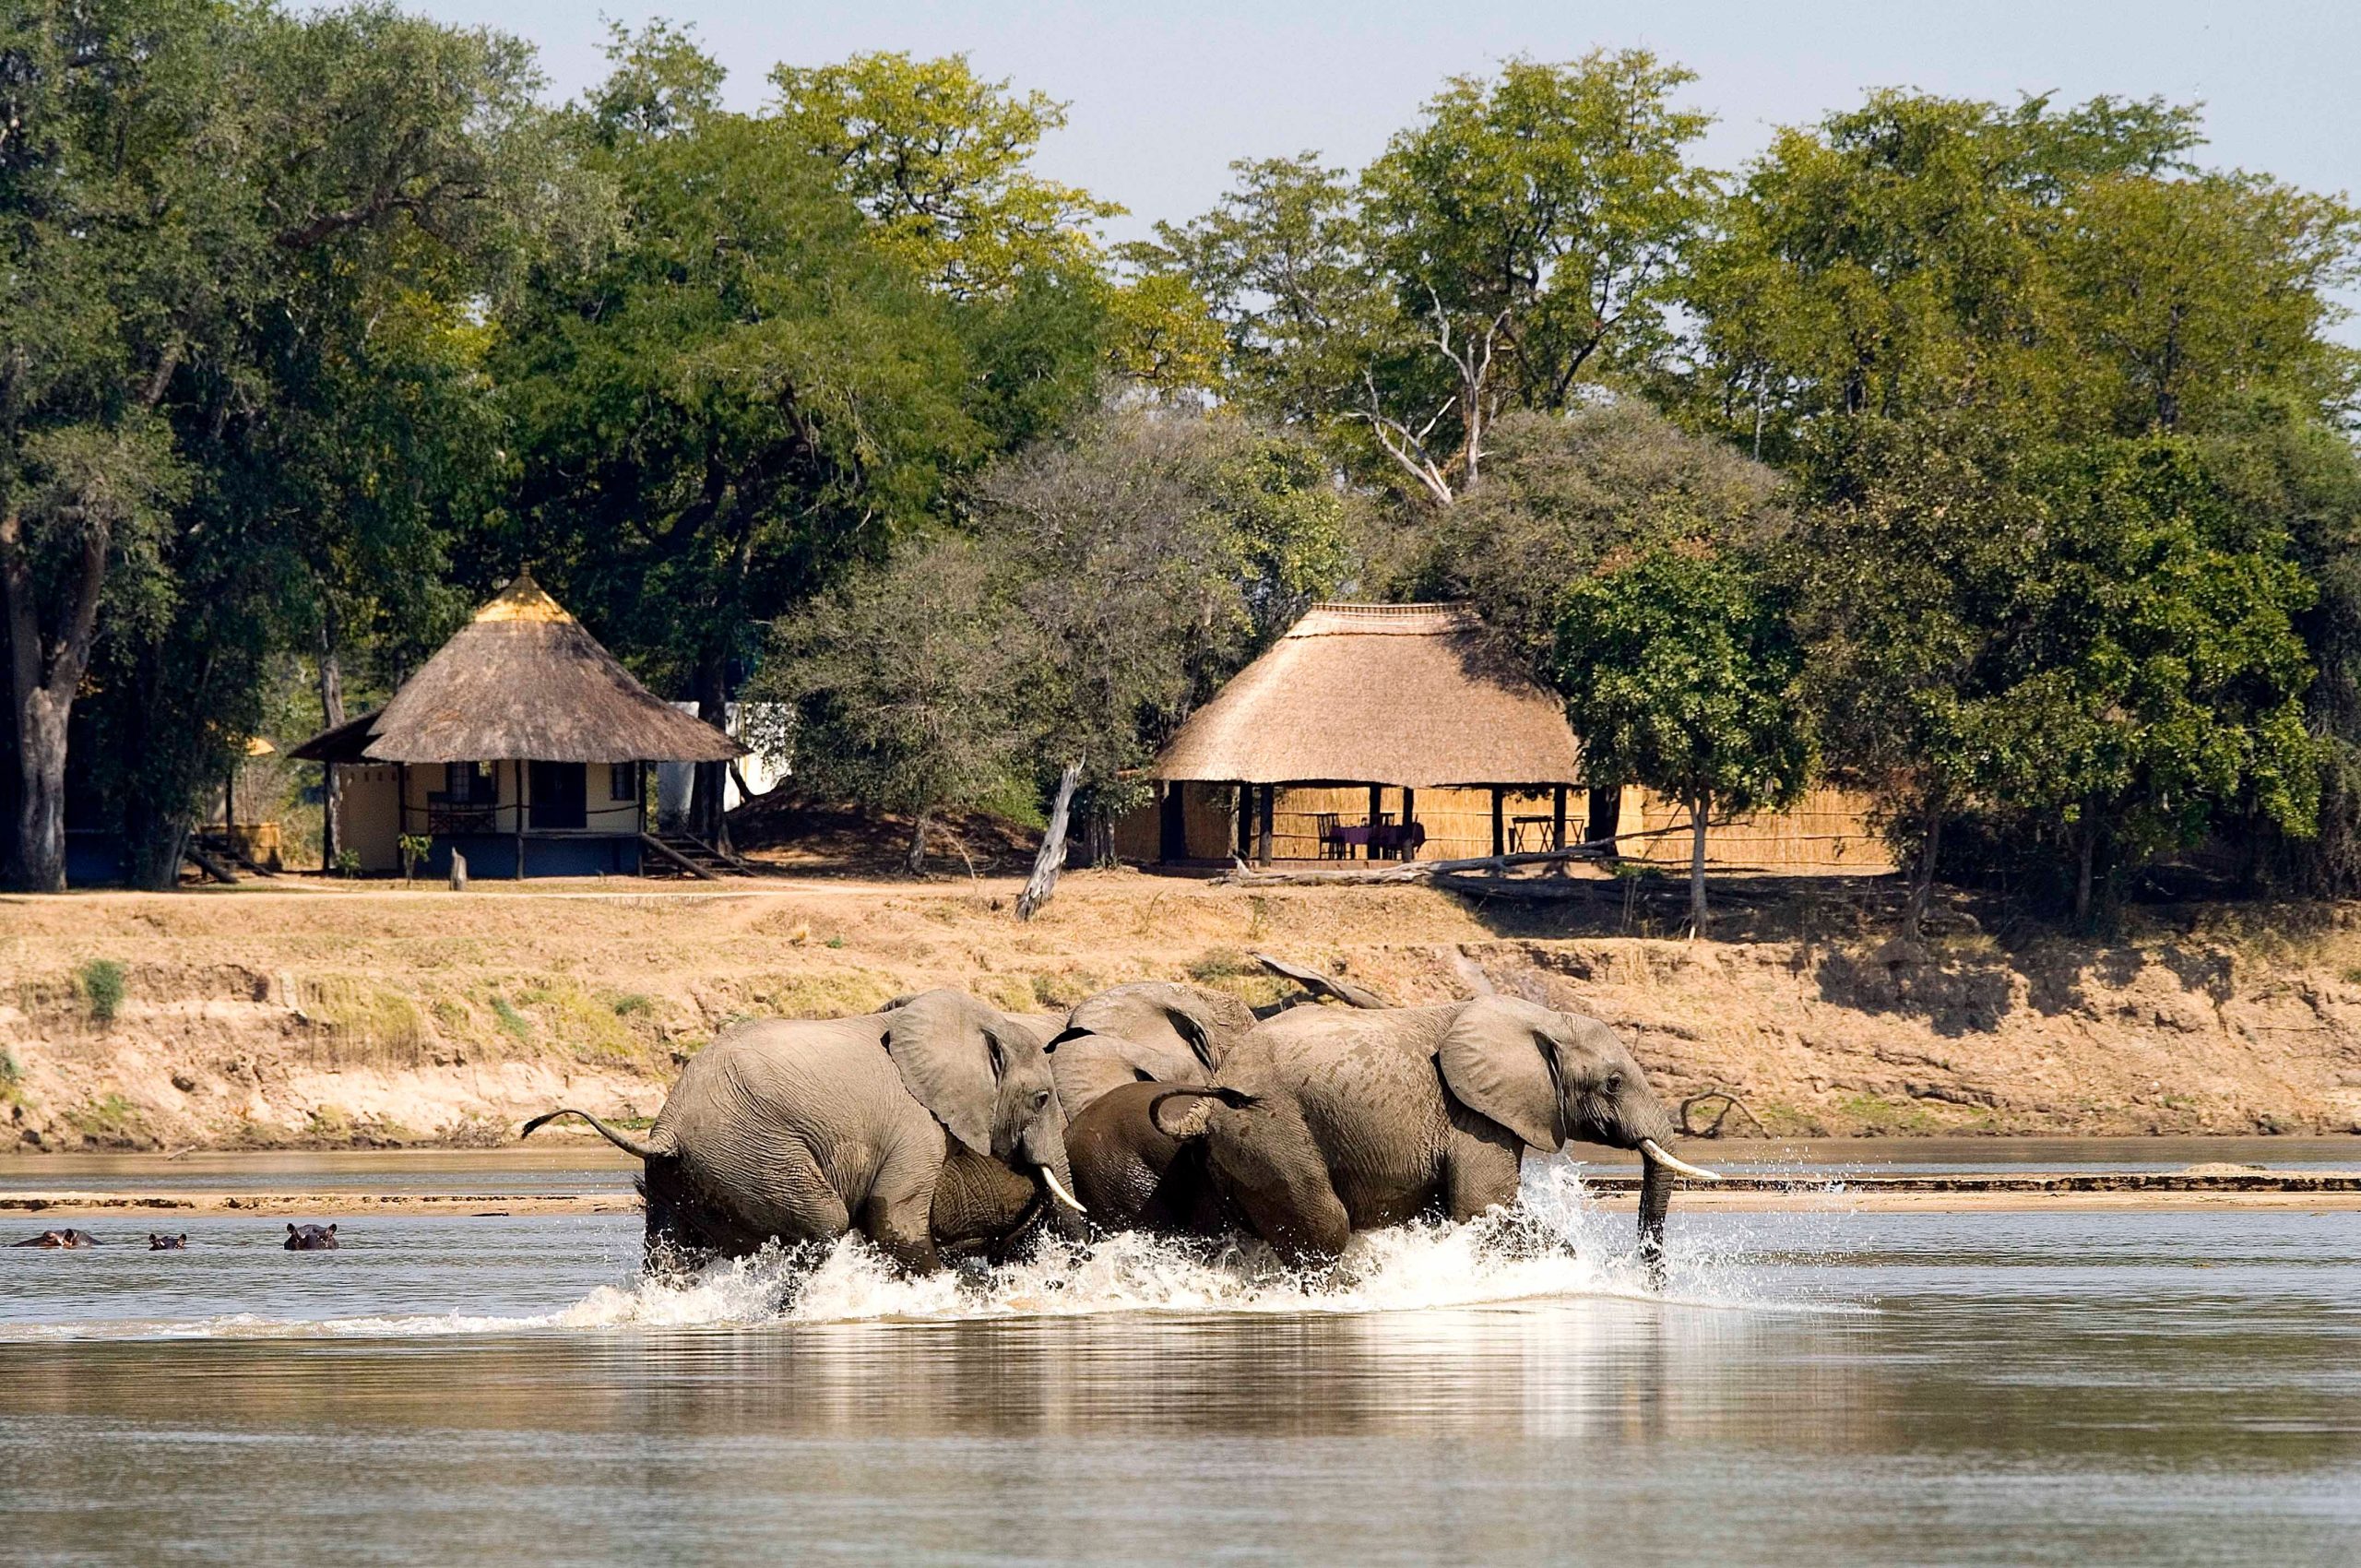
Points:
[[623, 782], [470, 783]]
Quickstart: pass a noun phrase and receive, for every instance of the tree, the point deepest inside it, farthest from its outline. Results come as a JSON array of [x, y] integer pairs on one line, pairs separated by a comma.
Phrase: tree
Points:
[[1678, 666], [1529, 225], [1147, 560], [1565, 493], [2150, 675], [719, 415], [902, 685], [178, 178], [1512, 247], [940, 160], [1906, 591], [1932, 311]]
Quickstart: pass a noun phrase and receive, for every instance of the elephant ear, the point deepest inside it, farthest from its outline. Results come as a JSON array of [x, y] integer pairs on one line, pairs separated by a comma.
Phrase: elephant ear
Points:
[[1495, 1058], [940, 1044]]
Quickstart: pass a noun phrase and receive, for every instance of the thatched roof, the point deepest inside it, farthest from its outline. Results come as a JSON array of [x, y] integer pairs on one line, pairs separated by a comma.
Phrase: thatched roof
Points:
[[1405, 694], [523, 682]]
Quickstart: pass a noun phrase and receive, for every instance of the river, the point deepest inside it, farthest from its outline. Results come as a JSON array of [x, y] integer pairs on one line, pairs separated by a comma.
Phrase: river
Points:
[[1823, 1387]]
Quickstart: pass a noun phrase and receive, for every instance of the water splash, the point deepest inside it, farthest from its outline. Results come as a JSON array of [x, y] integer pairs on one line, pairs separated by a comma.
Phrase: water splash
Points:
[[1556, 1244]]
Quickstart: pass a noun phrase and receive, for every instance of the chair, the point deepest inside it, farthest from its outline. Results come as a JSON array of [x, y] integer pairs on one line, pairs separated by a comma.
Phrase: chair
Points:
[[1324, 824]]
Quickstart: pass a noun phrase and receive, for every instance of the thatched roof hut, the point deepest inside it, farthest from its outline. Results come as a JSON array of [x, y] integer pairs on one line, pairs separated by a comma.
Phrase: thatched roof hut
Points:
[[522, 682], [1399, 695]]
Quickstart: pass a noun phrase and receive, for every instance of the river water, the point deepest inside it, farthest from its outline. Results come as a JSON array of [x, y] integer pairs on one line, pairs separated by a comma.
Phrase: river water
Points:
[[2089, 1386]]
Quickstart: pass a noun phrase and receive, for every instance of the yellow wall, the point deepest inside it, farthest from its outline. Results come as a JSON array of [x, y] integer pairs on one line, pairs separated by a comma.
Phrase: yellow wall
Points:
[[366, 823], [1828, 830], [369, 824]]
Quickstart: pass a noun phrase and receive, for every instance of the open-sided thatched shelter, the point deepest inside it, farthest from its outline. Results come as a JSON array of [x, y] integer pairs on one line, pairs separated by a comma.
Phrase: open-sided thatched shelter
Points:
[[1367, 729], [1386, 730], [522, 744]]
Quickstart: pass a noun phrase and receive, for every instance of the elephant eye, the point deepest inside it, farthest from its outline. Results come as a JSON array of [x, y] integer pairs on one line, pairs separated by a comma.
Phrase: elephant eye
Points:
[[1041, 1099], [1614, 1083]]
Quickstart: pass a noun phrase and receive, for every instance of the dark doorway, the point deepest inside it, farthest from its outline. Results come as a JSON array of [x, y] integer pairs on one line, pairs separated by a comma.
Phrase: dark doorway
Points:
[[559, 789], [1172, 824]]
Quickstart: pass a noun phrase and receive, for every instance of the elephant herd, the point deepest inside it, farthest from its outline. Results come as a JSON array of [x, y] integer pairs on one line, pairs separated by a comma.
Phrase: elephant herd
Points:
[[943, 1130]]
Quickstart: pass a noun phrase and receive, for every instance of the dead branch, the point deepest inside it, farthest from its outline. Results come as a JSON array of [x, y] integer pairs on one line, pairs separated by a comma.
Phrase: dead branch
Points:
[[1312, 980], [1713, 1129]]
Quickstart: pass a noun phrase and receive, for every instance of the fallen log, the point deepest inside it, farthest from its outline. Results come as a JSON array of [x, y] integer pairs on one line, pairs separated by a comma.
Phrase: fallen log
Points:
[[1312, 980]]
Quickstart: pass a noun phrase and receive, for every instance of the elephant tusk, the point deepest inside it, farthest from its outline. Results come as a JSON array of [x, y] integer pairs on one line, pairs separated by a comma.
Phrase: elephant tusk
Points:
[[1058, 1187], [1656, 1151]]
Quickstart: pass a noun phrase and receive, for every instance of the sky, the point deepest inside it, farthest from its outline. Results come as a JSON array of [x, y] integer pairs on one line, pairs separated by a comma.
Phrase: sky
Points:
[[1163, 97]]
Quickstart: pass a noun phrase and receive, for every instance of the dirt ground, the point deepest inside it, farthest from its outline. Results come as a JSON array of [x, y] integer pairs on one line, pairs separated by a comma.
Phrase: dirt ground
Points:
[[308, 1014]]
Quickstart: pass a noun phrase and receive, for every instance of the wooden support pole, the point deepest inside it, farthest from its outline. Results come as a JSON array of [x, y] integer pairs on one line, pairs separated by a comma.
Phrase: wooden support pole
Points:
[[1409, 816], [1558, 818], [1241, 816], [522, 800], [1500, 821], [1262, 823]]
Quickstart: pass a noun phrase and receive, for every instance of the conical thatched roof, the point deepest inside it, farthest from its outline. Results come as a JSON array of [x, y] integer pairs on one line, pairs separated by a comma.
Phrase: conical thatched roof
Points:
[[1378, 694], [523, 682]]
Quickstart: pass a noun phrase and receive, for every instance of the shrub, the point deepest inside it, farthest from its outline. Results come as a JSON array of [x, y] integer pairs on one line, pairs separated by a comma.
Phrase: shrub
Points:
[[515, 1023], [635, 1002], [102, 982]]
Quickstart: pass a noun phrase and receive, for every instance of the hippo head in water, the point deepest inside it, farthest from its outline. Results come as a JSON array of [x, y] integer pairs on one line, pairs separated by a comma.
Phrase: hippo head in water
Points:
[[168, 1243], [310, 1239], [57, 1238]]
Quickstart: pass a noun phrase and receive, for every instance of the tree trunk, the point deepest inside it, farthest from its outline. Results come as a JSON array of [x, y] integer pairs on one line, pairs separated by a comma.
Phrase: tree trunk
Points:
[[331, 715], [1697, 804], [1052, 857], [2084, 853], [708, 812], [914, 861], [1922, 876], [38, 863], [41, 683]]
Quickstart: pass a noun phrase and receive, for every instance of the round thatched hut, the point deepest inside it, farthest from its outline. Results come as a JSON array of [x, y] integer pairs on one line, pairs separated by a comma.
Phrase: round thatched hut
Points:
[[1367, 731], [522, 744]]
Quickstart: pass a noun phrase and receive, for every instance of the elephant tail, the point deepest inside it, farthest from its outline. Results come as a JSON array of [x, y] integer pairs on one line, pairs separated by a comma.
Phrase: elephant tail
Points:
[[1236, 1100], [621, 1139]]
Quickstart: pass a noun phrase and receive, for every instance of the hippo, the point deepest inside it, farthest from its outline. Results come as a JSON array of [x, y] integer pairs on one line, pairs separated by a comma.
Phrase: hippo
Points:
[[168, 1243], [310, 1239], [57, 1238]]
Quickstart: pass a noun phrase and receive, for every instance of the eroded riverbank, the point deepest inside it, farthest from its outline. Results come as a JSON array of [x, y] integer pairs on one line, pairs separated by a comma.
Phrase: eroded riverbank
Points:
[[327, 1019]]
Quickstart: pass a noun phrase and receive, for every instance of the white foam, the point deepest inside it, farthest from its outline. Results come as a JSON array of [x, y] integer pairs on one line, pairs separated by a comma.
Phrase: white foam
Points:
[[1556, 1245]]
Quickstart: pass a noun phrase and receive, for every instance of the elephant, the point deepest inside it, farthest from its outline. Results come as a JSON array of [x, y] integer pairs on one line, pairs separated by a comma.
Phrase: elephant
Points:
[[54, 1241], [168, 1243], [932, 1126], [1150, 1030], [1355, 1120], [1133, 1171], [310, 1238]]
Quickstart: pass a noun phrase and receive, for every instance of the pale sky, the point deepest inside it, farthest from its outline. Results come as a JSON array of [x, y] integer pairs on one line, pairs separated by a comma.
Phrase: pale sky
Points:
[[1163, 97]]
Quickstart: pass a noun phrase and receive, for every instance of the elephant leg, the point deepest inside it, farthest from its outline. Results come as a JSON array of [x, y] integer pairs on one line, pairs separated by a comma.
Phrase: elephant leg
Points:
[[898, 1214], [1266, 1164], [1482, 1162]]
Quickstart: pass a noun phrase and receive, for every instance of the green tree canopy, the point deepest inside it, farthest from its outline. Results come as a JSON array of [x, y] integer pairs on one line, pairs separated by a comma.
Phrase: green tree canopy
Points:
[[1678, 666]]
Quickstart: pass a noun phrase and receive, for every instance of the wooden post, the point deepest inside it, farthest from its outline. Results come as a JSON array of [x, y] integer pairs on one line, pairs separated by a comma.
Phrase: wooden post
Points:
[[401, 798], [1409, 816], [520, 766], [1242, 815], [1499, 824], [327, 817], [1558, 818], [1262, 823]]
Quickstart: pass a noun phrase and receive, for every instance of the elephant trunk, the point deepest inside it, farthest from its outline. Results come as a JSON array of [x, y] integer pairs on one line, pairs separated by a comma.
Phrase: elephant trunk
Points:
[[1054, 1175], [1655, 1198]]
